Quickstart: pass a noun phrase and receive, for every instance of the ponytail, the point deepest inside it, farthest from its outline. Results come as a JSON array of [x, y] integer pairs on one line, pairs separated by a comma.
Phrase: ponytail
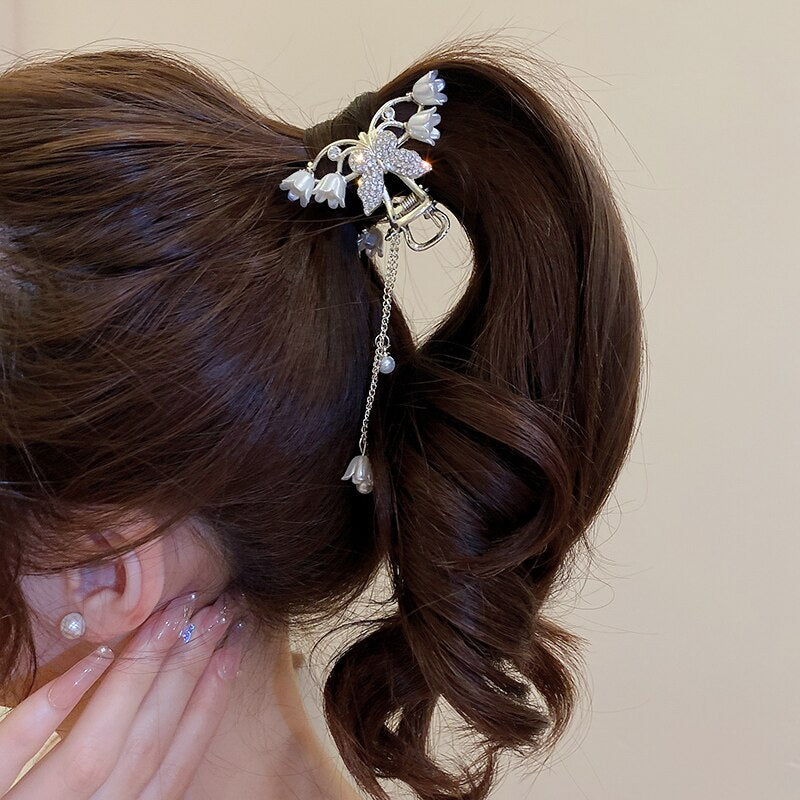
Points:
[[198, 325], [502, 437]]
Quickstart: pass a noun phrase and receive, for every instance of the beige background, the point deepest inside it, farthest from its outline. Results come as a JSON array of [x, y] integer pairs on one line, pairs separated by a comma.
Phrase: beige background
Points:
[[691, 609]]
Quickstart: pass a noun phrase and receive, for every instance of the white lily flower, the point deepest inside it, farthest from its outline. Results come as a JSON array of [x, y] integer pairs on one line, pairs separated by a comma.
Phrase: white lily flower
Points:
[[422, 126], [427, 91], [359, 471], [331, 188], [299, 184]]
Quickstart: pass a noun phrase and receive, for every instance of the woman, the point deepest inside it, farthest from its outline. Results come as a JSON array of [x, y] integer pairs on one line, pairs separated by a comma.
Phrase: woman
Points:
[[184, 356]]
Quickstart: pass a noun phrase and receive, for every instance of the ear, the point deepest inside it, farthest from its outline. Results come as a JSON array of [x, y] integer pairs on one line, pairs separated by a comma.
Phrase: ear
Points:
[[117, 596]]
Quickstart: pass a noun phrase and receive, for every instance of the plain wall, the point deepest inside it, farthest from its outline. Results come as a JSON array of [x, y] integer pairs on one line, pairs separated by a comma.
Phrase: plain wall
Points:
[[690, 611]]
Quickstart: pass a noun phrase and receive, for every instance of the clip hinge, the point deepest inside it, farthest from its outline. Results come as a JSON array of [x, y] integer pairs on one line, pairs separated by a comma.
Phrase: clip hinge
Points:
[[402, 211]]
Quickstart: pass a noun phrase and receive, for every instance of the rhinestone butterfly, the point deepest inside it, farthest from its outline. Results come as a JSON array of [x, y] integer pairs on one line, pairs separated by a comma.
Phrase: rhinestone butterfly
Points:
[[379, 154]]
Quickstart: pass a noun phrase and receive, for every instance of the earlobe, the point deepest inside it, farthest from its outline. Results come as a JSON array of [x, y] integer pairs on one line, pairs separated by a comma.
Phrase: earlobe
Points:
[[119, 595]]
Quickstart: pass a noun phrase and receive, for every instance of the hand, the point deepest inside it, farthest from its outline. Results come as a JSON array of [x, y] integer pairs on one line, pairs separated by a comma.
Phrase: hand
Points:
[[145, 730]]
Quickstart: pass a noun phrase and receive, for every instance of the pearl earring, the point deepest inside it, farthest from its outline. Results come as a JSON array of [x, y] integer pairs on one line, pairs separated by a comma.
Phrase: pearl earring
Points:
[[73, 626]]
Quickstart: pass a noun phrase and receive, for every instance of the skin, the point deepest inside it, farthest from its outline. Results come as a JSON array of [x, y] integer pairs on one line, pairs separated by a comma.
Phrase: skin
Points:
[[220, 716]]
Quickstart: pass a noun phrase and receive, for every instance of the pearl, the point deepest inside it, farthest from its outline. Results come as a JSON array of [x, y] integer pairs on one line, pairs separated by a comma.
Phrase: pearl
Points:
[[73, 626], [386, 365]]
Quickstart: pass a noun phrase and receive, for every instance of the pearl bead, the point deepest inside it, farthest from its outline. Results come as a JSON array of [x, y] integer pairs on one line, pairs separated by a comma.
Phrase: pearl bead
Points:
[[73, 626], [386, 364]]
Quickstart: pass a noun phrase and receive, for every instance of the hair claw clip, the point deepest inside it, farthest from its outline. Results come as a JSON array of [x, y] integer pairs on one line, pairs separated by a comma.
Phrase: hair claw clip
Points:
[[375, 152], [412, 207]]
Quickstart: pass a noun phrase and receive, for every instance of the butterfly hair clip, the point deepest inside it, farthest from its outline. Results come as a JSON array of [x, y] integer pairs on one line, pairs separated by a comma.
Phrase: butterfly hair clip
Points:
[[375, 152]]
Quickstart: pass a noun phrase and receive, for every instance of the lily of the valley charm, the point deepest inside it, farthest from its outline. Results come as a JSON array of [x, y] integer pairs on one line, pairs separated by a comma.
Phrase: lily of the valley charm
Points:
[[359, 471], [370, 241]]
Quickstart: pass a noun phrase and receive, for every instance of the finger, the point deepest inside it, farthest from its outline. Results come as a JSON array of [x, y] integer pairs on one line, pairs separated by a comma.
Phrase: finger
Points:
[[160, 712], [82, 762], [200, 721], [28, 726]]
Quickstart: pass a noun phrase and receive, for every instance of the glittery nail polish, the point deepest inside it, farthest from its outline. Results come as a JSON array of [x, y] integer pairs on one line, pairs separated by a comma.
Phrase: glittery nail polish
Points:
[[175, 617]]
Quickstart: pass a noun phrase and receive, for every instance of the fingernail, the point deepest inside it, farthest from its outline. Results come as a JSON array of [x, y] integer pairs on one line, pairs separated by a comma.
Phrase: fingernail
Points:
[[220, 615], [223, 607], [186, 632], [73, 684], [211, 618], [175, 616], [230, 654], [226, 608]]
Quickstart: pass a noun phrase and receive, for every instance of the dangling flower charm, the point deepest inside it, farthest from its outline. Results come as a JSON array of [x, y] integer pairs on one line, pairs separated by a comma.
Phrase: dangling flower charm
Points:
[[370, 240], [359, 471]]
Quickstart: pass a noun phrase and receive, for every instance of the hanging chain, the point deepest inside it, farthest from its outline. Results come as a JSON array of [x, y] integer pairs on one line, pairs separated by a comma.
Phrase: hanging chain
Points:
[[382, 339]]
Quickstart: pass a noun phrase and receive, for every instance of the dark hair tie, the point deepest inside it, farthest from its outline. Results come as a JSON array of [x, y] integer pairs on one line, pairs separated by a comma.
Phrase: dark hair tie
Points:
[[345, 125]]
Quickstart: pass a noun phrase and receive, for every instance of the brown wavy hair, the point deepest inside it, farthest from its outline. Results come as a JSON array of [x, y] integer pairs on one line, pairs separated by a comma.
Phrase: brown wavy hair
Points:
[[177, 338]]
